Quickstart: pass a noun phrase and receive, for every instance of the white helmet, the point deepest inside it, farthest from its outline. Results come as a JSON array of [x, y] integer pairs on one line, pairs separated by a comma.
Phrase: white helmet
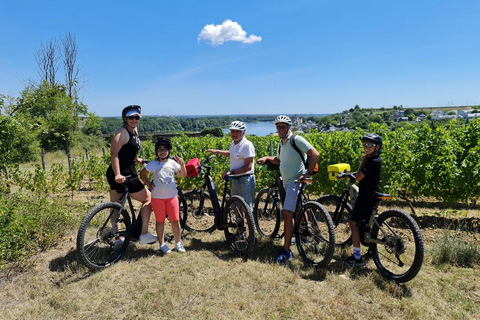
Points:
[[283, 119], [238, 125]]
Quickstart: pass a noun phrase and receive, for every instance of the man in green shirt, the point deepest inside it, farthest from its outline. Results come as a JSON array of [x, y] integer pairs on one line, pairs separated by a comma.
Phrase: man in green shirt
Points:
[[292, 170]]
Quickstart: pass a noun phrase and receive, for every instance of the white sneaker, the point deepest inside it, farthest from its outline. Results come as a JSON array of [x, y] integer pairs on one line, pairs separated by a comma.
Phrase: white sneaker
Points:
[[179, 247], [164, 248], [148, 238]]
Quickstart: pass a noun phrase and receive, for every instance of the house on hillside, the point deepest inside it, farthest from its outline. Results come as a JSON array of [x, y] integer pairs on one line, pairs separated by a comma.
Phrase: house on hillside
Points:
[[438, 115], [396, 116], [421, 117]]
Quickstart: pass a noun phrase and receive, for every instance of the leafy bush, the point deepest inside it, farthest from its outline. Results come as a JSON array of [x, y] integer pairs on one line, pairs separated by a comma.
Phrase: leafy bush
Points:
[[29, 223]]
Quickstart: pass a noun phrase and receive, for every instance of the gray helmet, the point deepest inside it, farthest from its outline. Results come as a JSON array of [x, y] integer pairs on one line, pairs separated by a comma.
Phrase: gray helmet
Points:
[[238, 125], [375, 138], [283, 119]]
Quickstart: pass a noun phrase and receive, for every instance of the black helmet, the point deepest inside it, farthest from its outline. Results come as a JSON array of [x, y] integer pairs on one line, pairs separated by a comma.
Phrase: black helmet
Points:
[[375, 138], [134, 108], [163, 142]]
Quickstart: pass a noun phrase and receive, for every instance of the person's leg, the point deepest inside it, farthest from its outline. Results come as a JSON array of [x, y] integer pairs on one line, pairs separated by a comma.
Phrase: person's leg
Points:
[[173, 211], [144, 197], [289, 207], [160, 226], [287, 228], [245, 187], [159, 208]]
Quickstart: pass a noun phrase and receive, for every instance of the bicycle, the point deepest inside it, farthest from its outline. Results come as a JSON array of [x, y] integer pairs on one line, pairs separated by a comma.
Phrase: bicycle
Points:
[[233, 216], [313, 230], [107, 223], [266, 209], [313, 227], [393, 237]]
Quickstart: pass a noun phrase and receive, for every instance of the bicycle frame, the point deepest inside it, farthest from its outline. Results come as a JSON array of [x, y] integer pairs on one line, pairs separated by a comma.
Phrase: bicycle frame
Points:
[[126, 198], [210, 185]]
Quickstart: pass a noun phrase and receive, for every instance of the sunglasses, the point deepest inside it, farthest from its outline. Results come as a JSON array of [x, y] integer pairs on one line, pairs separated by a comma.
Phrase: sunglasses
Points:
[[282, 127], [162, 150], [369, 144], [133, 118]]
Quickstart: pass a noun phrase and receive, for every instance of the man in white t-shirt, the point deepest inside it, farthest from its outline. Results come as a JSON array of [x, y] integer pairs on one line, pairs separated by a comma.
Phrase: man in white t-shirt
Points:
[[241, 154]]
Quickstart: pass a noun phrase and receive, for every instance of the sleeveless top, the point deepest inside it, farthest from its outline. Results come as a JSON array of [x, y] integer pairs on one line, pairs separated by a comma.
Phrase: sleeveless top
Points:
[[127, 154]]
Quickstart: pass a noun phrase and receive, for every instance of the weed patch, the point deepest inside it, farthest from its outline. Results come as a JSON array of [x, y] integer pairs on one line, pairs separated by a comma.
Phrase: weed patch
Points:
[[451, 249]]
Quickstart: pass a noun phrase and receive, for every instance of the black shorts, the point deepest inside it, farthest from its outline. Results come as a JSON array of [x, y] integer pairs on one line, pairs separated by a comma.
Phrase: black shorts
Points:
[[363, 208], [134, 184]]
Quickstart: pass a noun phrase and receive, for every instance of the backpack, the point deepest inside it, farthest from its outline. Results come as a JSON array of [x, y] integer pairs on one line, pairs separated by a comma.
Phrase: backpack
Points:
[[300, 153]]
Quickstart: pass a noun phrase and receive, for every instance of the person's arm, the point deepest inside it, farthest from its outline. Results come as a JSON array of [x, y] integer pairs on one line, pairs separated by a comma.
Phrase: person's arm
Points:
[[273, 160], [182, 172], [118, 140], [145, 179], [247, 166], [224, 153], [360, 175]]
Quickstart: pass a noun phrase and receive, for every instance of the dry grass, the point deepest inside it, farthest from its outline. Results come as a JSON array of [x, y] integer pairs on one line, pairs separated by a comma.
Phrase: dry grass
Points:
[[209, 281]]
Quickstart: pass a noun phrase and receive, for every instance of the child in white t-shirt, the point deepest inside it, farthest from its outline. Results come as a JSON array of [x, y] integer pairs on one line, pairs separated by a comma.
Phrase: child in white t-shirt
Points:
[[164, 191]]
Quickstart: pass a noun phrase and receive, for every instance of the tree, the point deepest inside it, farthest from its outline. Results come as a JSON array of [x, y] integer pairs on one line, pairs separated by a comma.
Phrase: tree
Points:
[[216, 132], [47, 61]]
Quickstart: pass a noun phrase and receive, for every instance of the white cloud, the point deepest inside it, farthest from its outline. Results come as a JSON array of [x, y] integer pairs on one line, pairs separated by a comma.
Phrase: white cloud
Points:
[[227, 31]]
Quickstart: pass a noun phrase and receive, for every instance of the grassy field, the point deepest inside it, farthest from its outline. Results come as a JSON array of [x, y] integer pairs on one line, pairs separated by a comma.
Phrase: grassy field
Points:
[[209, 281]]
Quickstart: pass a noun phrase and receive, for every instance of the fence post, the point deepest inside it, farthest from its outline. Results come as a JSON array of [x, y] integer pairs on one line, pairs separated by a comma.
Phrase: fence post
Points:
[[86, 153], [43, 159], [271, 148], [69, 158]]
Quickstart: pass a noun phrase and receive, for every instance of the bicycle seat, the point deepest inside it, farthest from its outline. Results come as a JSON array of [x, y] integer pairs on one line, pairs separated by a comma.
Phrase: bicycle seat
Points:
[[382, 196], [306, 180]]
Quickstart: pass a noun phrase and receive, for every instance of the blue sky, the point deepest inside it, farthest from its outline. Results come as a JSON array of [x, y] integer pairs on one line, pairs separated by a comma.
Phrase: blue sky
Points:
[[252, 57]]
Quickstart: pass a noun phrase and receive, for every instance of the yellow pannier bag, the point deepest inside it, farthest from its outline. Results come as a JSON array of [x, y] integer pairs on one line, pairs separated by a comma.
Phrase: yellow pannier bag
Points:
[[335, 169]]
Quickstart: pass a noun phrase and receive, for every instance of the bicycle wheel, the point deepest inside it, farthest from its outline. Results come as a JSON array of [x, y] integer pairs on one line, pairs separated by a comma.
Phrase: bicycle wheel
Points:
[[401, 257], [315, 235], [341, 218], [182, 203], [200, 214], [240, 230], [96, 236], [266, 213]]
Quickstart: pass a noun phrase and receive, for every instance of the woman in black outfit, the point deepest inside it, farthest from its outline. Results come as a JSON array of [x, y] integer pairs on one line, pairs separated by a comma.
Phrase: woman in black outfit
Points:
[[124, 154]]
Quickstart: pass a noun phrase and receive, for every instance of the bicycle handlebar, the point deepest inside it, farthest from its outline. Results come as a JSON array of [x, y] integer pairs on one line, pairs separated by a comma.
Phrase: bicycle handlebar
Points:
[[345, 175]]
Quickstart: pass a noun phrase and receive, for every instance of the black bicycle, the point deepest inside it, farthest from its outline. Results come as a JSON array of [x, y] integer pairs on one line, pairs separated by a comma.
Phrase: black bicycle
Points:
[[393, 237], [266, 210], [108, 229], [234, 216]]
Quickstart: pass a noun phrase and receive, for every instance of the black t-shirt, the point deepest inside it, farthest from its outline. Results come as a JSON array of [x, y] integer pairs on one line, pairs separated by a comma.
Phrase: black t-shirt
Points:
[[370, 182]]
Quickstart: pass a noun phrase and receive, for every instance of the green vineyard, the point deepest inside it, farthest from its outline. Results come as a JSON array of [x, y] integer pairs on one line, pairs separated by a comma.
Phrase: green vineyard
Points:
[[441, 163]]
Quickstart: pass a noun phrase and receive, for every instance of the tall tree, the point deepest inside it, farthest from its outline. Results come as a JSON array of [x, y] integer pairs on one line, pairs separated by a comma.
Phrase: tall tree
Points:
[[47, 61]]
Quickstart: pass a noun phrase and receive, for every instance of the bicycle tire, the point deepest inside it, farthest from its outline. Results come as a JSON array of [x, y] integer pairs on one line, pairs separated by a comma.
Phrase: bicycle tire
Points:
[[266, 213], [182, 204], [240, 234], [95, 241], [200, 213], [315, 235], [341, 218], [404, 239]]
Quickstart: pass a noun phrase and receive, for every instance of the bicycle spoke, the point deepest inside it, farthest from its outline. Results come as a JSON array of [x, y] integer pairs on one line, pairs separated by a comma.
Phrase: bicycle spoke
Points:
[[401, 254], [315, 235], [96, 241]]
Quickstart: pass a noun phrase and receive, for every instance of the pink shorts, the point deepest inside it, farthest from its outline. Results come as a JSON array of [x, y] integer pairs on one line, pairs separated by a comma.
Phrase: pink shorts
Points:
[[162, 207]]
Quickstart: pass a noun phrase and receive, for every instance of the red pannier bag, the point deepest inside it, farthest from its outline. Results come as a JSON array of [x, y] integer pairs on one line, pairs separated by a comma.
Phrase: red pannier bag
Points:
[[193, 167]]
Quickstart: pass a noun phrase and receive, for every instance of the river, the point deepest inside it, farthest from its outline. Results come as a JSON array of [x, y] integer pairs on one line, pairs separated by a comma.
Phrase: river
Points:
[[261, 128]]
